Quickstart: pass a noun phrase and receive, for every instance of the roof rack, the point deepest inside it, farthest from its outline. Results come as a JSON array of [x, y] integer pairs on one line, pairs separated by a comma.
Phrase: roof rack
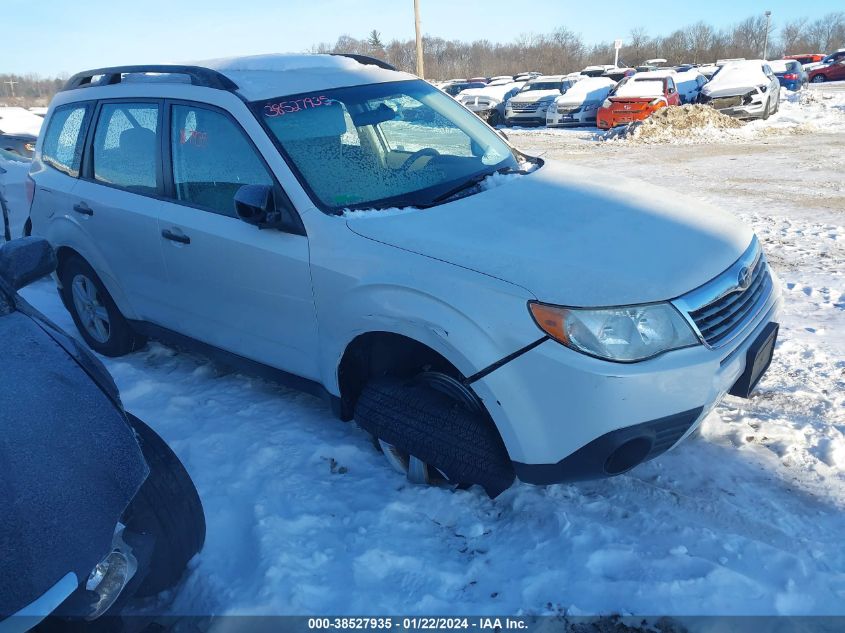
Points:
[[199, 76], [364, 59]]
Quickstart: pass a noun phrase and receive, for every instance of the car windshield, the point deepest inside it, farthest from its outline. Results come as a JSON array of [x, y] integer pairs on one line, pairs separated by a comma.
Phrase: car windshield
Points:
[[541, 85], [393, 144]]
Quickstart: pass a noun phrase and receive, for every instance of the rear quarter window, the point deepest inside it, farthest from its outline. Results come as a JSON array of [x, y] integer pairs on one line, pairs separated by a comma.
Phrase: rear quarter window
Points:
[[62, 147]]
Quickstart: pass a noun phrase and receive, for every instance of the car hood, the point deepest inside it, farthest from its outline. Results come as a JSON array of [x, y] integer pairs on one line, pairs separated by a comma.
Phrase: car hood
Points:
[[69, 465], [535, 95], [570, 237]]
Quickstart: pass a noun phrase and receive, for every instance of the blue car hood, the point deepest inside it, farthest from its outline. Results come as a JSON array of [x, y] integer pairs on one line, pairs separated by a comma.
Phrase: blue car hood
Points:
[[69, 465]]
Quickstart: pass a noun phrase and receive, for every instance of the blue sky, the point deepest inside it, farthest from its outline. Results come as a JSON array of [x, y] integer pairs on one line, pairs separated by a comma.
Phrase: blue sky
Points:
[[55, 36]]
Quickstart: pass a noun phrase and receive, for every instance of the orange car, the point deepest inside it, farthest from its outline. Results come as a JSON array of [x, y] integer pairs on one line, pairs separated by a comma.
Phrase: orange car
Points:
[[806, 58], [636, 98]]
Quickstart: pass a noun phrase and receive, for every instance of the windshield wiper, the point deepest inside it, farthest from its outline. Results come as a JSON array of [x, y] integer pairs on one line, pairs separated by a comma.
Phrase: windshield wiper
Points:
[[469, 184]]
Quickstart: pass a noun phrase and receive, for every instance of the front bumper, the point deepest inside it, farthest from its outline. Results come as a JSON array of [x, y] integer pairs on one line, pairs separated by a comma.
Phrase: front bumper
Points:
[[561, 413], [537, 117], [574, 119]]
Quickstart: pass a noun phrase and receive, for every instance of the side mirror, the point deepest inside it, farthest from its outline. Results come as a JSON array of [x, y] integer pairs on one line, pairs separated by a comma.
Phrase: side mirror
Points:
[[255, 205], [25, 260]]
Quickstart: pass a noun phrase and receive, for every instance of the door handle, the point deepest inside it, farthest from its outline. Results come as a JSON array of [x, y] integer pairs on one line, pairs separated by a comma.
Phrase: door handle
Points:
[[175, 237], [83, 208]]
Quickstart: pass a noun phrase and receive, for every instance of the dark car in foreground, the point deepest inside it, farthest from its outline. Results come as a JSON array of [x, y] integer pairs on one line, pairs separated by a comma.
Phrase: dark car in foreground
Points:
[[96, 509], [21, 144]]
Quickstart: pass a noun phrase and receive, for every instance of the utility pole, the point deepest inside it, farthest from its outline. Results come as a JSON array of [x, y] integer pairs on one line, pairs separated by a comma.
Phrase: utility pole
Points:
[[766, 39], [12, 85], [420, 69]]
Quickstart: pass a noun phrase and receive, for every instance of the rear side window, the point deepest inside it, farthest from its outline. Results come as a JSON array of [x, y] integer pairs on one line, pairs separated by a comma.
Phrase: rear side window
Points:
[[212, 158], [62, 147], [126, 146]]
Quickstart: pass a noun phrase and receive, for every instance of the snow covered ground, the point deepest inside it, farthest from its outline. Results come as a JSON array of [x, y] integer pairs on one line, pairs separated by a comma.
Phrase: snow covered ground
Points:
[[305, 516]]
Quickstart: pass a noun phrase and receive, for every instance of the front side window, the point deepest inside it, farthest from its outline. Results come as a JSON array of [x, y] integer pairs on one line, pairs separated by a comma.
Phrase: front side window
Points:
[[63, 141], [126, 146], [401, 143], [212, 159]]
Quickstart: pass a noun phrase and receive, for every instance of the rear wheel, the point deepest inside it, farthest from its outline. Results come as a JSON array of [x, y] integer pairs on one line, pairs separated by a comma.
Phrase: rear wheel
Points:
[[433, 429], [94, 312], [168, 508], [818, 79]]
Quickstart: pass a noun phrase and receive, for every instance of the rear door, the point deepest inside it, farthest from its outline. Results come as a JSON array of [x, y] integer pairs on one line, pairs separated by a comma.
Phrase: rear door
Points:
[[116, 203], [232, 285], [55, 173]]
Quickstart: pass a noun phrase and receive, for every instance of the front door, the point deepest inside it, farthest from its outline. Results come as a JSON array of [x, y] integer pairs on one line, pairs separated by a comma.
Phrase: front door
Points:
[[242, 289]]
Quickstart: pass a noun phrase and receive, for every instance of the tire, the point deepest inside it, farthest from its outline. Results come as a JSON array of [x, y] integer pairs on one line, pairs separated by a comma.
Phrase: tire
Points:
[[118, 338], [168, 508], [819, 79], [768, 111], [494, 119], [463, 445]]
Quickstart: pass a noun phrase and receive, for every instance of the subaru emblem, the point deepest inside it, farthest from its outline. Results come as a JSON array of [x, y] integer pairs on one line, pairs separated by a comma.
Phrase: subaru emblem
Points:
[[744, 278]]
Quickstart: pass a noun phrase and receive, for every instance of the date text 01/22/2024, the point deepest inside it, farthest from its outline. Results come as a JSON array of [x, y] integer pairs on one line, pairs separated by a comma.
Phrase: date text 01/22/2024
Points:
[[418, 623]]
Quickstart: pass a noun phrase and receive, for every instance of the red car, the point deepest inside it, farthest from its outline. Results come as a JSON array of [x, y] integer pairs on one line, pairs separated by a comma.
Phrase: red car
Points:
[[806, 58], [637, 97], [834, 71]]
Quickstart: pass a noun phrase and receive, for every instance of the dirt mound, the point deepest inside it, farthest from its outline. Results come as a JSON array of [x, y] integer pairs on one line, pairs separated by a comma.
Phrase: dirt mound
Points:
[[677, 124]]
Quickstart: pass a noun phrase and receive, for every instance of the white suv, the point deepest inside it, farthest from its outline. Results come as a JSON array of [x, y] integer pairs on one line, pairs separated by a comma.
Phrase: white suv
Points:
[[335, 224]]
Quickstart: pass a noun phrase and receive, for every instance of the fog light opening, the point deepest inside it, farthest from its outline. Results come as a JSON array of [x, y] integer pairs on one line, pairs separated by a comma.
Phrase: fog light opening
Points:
[[109, 577], [627, 456]]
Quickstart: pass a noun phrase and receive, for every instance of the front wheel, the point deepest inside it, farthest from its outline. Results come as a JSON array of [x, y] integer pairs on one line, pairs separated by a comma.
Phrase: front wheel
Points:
[[167, 508], [432, 428]]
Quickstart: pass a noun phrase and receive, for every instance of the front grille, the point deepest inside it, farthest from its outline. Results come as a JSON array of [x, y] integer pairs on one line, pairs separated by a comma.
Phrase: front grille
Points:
[[734, 304], [523, 106], [568, 109], [721, 103]]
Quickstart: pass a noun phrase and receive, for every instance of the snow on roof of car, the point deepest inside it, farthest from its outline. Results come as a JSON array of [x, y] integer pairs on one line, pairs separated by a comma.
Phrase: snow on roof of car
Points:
[[589, 89], [545, 78], [738, 74], [14, 120], [649, 84], [496, 92], [266, 76], [780, 65]]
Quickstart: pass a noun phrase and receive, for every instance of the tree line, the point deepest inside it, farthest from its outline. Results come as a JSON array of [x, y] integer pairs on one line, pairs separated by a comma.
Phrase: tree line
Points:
[[560, 51], [563, 50]]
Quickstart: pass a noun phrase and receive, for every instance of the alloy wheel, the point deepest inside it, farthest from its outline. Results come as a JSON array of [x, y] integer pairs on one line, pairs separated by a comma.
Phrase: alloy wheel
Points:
[[89, 307]]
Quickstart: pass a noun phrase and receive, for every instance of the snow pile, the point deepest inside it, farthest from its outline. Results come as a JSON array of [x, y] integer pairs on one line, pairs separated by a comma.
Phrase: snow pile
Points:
[[687, 123]]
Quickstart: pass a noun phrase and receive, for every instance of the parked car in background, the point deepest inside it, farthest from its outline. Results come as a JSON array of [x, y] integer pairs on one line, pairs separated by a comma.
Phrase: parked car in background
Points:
[[636, 98], [489, 102], [579, 105], [529, 105], [20, 144], [708, 70], [806, 58], [826, 60], [834, 71], [453, 89], [746, 89], [19, 130], [790, 73], [597, 70], [617, 74], [688, 82], [478, 80], [96, 509]]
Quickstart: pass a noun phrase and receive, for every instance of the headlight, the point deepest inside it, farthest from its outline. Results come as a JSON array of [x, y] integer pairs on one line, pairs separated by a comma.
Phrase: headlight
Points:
[[625, 334], [606, 103]]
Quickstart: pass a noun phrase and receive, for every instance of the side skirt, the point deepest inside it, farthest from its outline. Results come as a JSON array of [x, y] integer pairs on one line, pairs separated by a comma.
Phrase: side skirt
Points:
[[238, 363]]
